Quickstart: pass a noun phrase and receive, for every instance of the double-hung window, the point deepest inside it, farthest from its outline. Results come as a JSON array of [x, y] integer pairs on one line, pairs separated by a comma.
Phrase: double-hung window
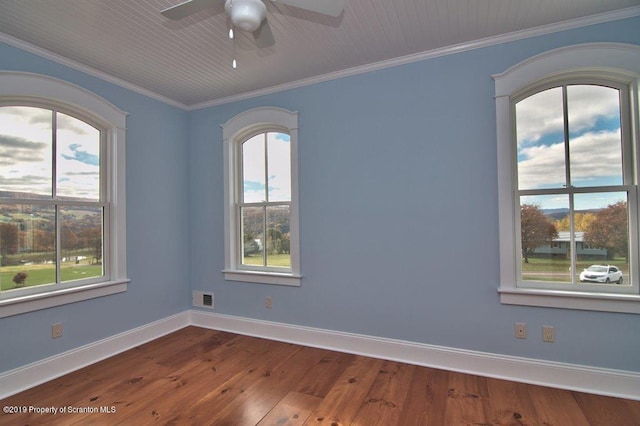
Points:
[[261, 220], [568, 179], [61, 221]]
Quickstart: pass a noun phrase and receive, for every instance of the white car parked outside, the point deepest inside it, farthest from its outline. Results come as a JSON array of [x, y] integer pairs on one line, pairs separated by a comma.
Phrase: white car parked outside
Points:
[[601, 274]]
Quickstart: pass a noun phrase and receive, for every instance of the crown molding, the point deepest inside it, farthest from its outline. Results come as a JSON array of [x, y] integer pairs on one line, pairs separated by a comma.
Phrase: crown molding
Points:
[[46, 54]]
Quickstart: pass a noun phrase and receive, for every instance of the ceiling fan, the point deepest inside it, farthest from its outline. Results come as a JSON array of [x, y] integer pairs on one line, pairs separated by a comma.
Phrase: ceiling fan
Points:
[[250, 15]]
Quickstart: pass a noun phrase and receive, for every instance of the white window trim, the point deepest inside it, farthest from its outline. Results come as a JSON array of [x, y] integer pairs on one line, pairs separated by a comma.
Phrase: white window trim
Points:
[[20, 87], [252, 121], [616, 60]]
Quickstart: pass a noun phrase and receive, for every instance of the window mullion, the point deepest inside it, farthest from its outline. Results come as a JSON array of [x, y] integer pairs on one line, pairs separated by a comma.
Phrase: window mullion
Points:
[[567, 166], [572, 238], [54, 153], [266, 169], [266, 201], [265, 235], [58, 245], [54, 194], [567, 154]]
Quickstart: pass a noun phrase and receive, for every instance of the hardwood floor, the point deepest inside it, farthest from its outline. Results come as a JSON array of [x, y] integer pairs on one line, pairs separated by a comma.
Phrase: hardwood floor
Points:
[[197, 376]]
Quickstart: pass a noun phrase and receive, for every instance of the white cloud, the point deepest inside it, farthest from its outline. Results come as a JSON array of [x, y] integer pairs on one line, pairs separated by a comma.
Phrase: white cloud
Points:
[[594, 150], [26, 142], [594, 156], [541, 115]]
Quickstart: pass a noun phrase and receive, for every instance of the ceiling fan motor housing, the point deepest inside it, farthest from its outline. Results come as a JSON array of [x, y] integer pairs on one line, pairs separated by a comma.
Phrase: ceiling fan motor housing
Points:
[[246, 14]]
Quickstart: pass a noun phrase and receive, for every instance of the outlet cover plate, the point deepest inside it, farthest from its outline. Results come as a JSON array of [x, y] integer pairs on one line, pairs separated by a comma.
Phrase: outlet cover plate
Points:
[[521, 330], [56, 330]]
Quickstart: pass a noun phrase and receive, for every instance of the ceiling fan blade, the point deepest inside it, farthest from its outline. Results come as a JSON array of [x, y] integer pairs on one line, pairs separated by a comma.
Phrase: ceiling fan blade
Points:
[[264, 36], [326, 7], [187, 8]]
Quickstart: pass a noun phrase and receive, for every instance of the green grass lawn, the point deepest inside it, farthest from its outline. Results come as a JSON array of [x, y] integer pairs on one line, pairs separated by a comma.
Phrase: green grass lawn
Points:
[[46, 273], [280, 260], [557, 269]]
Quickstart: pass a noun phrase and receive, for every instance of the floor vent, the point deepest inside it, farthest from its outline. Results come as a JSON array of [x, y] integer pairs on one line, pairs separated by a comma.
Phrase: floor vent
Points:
[[202, 300], [207, 300]]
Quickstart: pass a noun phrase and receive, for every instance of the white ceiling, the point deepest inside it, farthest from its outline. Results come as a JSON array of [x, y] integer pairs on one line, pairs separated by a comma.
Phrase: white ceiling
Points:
[[188, 62]]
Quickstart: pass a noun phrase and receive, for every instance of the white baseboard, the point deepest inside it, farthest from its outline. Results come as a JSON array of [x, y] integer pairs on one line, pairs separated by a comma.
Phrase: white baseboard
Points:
[[609, 382], [28, 376], [602, 381]]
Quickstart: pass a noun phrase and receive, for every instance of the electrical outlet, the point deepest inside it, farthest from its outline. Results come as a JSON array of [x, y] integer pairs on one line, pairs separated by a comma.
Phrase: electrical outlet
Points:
[[521, 330], [56, 330], [268, 302], [548, 334]]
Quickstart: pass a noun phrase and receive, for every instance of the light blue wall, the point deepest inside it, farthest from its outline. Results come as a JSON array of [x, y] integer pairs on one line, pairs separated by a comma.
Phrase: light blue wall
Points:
[[398, 211], [157, 227]]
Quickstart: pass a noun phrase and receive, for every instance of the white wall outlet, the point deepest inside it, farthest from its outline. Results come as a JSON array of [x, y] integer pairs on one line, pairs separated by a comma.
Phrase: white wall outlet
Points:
[[268, 303], [521, 330], [56, 330], [548, 334]]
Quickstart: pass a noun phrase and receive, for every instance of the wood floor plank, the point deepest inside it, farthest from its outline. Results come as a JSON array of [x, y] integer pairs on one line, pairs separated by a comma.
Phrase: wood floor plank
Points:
[[345, 398], [322, 377], [199, 377], [556, 407], [292, 410], [467, 400], [511, 403], [383, 404], [83, 388], [602, 410], [205, 396], [161, 377], [426, 399], [260, 396]]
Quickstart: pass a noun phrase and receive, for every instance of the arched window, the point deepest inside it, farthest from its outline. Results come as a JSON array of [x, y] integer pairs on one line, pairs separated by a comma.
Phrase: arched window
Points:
[[61, 194], [568, 179], [261, 232]]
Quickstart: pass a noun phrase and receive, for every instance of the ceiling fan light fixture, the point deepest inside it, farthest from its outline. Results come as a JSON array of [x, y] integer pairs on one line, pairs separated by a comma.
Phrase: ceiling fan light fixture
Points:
[[246, 14]]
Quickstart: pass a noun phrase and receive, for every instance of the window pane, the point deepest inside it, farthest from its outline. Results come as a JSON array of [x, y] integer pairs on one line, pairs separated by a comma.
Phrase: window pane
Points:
[[253, 170], [540, 136], [252, 236], [26, 147], [278, 241], [279, 163], [78, 159], [546, 251], [603, 220], [27, 246], [80, 243], [595, 143]]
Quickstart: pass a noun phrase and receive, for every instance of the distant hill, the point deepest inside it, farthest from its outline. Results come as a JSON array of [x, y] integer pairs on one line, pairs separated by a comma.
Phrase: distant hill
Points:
[[558, 214]]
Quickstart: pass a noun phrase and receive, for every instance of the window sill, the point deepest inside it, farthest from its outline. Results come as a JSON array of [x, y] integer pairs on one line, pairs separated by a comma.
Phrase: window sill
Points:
[[34, 302], [262, 277], [605, 302]]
